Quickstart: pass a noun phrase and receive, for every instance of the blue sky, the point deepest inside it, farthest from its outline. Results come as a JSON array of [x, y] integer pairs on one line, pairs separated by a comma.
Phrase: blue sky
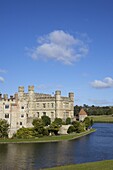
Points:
[[62, 45]]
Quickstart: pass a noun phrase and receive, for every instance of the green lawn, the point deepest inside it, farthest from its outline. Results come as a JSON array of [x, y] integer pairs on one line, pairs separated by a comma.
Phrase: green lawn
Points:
[[48, 138], [101, 165], [103, 118]]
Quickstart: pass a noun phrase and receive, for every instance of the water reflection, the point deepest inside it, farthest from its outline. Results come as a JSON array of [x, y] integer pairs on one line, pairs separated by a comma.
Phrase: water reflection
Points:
[[94, 147]]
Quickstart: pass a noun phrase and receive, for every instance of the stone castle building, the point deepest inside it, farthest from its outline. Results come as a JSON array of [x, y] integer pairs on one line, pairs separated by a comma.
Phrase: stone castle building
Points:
[[20, 110]]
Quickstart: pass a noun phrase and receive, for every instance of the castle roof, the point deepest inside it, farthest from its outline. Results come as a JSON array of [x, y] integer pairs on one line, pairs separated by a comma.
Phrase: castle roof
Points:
[[82, 112]]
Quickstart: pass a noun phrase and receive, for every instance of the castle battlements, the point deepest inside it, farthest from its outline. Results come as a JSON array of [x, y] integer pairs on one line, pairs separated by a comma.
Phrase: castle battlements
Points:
[[21, 108]]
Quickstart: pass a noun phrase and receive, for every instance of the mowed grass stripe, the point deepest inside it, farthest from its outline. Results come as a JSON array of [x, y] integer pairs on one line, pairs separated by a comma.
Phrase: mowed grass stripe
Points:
[[101, 165]]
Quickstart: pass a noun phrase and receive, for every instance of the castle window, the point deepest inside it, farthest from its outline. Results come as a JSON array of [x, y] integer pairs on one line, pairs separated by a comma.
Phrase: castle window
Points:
[[37, 114], [20, 123], [44, 105], [44, 113], [52, 105], [6, 115], [22, 107], [6, 106], [22, 115]]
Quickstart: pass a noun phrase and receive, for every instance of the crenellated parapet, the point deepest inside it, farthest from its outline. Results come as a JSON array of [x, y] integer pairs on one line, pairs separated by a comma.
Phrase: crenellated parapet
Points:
[[71, 96], [30, 89], [20, 107], [21, 89]]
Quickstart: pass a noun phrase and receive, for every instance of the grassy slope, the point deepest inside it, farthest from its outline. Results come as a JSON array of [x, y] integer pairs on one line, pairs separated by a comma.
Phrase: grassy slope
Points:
[[103, 118], [48, 138], [101, 165]]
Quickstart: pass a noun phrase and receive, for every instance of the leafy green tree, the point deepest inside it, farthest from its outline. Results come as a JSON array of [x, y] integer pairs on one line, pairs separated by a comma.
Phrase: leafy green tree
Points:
[[54, 128], [79, 127], [4, 127], [24, 133], [68, 120], [38, 127], [77, 110], [87, 122], [46, 120], [45, 132], [58, 121], [92, 122], [76, 125], [71, 129]]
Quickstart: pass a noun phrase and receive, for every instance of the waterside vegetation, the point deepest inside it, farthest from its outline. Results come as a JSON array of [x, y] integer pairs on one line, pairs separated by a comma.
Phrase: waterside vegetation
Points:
[[57, 138], [43, 130]]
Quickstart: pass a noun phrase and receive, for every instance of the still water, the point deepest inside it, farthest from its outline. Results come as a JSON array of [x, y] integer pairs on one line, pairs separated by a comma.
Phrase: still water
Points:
[[94, 147]]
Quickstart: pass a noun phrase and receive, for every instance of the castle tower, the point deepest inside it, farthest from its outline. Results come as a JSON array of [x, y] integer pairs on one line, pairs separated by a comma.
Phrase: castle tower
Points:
[[57, 103], [16, 97], [20, 92], [5, 96], [31, 92], [71, 96]]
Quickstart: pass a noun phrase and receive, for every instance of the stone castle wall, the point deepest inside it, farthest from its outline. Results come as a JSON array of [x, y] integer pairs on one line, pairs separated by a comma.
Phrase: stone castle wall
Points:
[[20, 110]]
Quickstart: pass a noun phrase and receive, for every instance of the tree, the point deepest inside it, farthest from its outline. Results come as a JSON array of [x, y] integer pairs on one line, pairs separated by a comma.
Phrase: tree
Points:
[[77, 110], [92, 122], [38, 127], [71, 129], [46, 120], [54, 128], [68, 120], [79, 127], [58, 121], [4, 127], [24, 133], [76, 125], [87, 122]]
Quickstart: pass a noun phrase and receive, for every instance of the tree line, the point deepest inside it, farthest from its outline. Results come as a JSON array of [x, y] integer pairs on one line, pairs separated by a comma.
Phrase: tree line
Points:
[[94, 110]]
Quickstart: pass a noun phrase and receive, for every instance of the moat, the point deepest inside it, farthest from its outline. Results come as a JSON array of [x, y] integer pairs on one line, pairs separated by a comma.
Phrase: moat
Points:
[[94, 147]]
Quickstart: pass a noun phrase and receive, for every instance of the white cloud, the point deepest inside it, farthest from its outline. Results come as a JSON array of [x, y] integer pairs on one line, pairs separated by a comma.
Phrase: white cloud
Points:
[[106, 83], [1, 80], [60, 46]]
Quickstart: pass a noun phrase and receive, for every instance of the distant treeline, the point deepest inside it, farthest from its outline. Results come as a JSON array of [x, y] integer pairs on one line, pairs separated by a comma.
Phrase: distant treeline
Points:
[[94, 110]]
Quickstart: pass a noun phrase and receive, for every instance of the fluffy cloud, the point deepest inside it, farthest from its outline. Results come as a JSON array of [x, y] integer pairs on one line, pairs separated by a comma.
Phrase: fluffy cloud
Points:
[[60, 46], [1, 80], [106, 83]]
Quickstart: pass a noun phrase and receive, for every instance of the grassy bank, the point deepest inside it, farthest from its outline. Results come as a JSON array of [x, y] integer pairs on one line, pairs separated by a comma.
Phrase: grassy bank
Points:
[[102, 119], [101, 165], [48, 138]]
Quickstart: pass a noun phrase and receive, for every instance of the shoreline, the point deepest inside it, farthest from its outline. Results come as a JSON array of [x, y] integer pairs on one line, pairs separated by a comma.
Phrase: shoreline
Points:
[[59, 138]]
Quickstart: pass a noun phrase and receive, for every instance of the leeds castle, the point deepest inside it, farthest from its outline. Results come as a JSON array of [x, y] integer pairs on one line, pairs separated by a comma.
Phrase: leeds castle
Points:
[[20, 110]]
